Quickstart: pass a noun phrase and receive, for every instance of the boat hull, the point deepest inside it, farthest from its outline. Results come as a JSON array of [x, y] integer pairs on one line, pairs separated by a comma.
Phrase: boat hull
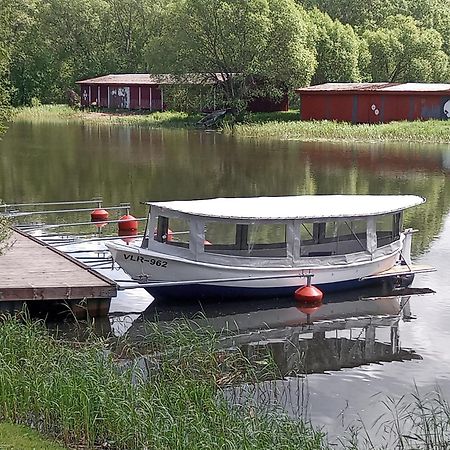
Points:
[[211, 292], [204, 280]]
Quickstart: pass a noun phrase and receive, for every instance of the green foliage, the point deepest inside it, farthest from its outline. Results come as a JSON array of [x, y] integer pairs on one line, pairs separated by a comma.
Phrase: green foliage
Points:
[[5, 111], [170, 399], [361, 13], [340, 52], [5, 232], [402, 51], [256, 45], [259, 47]]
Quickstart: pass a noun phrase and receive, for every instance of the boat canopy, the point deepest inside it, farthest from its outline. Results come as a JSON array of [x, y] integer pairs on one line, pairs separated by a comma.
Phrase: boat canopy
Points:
[[293, 207]]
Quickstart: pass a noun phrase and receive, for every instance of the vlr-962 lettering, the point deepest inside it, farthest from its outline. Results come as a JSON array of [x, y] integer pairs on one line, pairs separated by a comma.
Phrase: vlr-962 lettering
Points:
[[142, 259]]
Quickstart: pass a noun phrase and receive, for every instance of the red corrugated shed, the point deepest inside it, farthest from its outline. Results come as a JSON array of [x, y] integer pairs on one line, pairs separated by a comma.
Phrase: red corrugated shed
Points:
[[375, 102]]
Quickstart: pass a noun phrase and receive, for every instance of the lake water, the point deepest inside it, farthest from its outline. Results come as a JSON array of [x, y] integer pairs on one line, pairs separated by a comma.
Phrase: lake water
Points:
[[357, 351]]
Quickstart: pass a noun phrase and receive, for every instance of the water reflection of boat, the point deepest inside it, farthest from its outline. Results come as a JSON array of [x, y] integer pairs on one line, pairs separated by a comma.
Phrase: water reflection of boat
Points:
[[262, 247], [343, 332]]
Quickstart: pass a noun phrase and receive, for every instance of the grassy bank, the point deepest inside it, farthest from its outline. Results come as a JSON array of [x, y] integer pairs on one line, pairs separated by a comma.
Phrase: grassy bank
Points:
[[16, 437], [279, 127], [65, 114], [82, 394]]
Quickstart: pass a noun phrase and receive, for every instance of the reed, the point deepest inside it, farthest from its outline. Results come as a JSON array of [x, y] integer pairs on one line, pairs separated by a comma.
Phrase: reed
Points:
[[262, 127], [173, 398]]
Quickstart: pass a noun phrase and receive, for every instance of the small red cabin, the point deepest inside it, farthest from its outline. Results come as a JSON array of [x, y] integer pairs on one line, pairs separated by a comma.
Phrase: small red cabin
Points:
[[375, 102], [125, 91], [146, 91]]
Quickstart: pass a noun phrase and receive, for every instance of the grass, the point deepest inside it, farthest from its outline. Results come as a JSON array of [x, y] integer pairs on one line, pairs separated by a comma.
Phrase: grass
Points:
[[100, 394], [261, 127], [65, 114], [17, 437], [80, 393]]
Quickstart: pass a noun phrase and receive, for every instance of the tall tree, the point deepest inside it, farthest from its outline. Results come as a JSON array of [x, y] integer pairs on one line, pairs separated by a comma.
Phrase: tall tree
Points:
[[239, 39], [342, 56], [359, 12], [403, 51]]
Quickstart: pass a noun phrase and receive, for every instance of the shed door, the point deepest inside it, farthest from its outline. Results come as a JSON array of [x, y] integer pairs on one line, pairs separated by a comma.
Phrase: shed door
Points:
[[119, 97]]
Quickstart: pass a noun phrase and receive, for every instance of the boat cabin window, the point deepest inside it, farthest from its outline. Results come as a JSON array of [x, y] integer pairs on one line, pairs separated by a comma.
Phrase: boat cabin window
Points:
[[333, 238], [388, 229], [172, 231], [254, 240]]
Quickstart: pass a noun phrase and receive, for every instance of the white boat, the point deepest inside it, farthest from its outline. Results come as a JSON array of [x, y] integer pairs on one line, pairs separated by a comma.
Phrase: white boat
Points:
[[264, 246]]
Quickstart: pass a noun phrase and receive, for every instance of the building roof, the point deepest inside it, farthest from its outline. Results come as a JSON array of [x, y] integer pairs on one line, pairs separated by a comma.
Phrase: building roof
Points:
[[148, 78], [346, 88], [293, 207]]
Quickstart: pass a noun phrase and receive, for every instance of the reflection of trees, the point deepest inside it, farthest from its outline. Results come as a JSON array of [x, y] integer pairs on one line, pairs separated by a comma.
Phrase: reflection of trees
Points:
[[52, 162]]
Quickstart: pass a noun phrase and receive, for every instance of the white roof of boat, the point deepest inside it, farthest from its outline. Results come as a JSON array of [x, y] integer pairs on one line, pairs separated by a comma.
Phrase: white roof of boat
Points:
[[293, 207]]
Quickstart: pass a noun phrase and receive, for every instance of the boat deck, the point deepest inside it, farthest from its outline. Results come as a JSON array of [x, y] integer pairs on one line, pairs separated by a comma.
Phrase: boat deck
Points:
[[402, 270], [30, 270]]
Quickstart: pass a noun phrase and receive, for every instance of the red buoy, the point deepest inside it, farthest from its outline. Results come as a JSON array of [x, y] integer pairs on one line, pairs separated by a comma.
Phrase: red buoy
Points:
[[128, 223], [308, 294], [99, 214]]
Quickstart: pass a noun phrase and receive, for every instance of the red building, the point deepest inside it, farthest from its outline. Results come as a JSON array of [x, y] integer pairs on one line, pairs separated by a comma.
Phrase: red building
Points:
[[375, 102], [146, 91], [133, 91]]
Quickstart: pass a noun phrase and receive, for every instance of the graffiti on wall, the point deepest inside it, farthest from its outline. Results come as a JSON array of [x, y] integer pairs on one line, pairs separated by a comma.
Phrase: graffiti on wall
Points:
[[119, 97], [446, 109]]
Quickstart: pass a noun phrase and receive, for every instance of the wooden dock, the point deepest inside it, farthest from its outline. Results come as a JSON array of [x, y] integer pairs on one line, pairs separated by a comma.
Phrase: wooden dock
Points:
[[39, 275]]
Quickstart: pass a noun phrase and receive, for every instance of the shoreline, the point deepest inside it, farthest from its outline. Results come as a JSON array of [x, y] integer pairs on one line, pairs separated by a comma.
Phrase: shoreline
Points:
[[266, 126]]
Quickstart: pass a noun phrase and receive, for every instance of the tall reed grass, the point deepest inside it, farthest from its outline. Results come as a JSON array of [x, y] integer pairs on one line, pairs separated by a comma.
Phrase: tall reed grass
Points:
[[80, 393], [432, 131]]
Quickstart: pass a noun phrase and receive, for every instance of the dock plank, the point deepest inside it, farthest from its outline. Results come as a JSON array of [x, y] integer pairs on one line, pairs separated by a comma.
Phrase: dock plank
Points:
[[32, 270]]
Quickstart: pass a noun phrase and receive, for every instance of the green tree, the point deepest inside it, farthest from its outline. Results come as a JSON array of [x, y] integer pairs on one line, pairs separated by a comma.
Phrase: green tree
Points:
[[403, 51], [359, 12], [242, 40], [340, 51], [433, 14], [6, 33], [69, 40]]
